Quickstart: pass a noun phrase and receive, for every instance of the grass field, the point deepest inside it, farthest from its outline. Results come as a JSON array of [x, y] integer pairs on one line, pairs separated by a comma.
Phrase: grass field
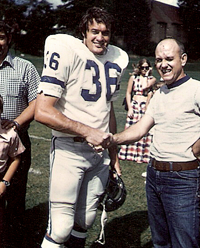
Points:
[[128, 226]]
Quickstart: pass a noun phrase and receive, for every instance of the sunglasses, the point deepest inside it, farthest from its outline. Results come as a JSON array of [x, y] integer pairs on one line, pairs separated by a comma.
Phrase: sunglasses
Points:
[[145, 67]]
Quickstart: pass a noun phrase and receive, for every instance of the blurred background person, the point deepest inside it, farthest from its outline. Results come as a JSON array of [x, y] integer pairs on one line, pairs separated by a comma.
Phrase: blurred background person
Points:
[[138, 94]]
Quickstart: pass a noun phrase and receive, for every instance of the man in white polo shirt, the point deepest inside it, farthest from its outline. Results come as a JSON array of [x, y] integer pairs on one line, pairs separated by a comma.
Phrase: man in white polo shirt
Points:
[[172, 184]]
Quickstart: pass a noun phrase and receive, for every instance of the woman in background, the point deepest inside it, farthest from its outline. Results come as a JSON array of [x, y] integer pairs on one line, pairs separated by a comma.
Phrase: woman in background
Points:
[[138, 94]]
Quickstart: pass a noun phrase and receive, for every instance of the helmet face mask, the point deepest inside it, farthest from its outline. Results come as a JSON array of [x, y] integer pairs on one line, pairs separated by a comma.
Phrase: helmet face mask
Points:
[[115, 193]]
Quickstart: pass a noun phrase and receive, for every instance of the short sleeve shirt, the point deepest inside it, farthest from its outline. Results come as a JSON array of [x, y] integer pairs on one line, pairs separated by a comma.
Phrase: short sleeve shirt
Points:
[[19, 80], [10, 146], [176, 114]]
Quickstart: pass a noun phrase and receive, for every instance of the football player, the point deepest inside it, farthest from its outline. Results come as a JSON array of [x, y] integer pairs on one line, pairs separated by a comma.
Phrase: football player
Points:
[[80, 81]]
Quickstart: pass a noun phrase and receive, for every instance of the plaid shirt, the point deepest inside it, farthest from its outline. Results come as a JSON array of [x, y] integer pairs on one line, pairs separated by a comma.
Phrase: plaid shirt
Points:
[[19, 80]]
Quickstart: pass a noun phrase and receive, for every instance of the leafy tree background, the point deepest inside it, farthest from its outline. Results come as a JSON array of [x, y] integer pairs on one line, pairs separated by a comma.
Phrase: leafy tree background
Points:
[[38, 19], [190, 13], [34, 20]]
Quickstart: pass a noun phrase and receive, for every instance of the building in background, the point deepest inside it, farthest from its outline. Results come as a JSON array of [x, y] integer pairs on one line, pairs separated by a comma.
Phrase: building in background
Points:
[[166, 22]]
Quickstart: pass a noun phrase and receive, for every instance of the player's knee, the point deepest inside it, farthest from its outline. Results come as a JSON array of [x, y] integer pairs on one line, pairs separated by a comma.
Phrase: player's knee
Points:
[[61, 232], [48, 242], [87, 221], [62, 221]]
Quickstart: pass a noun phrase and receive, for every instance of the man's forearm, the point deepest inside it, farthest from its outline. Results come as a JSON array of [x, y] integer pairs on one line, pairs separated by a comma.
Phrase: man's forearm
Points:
[[126, 137]]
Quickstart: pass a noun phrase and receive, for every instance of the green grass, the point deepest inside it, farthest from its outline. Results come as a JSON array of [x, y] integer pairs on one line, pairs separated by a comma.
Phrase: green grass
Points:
[[128, 226]]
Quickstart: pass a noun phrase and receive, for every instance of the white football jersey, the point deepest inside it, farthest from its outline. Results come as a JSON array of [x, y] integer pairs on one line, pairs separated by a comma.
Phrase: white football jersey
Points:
[[84, 83]]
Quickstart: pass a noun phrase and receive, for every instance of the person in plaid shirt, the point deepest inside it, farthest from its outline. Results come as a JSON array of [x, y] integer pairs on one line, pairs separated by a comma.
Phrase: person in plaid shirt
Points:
[[18, 86]]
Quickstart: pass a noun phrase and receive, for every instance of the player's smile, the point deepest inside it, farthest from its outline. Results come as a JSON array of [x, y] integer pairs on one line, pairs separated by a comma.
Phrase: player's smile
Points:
[[97, 38]]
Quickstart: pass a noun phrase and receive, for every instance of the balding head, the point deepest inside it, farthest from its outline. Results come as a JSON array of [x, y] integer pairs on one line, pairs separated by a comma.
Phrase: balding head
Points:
[[170, 60], [171, 42]]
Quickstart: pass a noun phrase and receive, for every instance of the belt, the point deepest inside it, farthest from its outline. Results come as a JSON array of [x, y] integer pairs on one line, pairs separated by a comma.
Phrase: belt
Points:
[[174, 166], [79, 139]]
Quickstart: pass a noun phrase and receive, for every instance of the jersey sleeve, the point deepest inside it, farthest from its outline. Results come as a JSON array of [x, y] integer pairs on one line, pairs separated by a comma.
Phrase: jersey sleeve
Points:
[[57, 62]]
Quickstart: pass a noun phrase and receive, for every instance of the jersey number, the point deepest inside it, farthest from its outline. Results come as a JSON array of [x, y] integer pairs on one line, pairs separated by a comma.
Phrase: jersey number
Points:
[[53, 64], [109, 81]]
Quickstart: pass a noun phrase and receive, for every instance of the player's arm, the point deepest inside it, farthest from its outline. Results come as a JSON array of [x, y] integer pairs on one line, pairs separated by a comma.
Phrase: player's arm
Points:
[[13, 163], [113, 150], [134, 132], [47, 114], [196, 149]]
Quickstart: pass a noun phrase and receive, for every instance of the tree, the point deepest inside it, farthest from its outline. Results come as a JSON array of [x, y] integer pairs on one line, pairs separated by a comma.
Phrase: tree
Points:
[[133, 24], [13, 15], [38, 18], [11, 12], [39, 21], [132, 20], [190, 12]]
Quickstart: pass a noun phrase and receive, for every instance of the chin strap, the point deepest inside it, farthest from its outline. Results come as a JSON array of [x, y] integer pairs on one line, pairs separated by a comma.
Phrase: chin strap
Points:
[[101, 240]]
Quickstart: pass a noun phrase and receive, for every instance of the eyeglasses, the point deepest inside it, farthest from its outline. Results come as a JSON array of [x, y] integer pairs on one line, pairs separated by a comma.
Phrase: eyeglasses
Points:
[[145, 68]]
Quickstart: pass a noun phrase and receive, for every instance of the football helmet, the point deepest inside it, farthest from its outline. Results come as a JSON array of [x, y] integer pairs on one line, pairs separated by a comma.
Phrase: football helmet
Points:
[[115, 193]]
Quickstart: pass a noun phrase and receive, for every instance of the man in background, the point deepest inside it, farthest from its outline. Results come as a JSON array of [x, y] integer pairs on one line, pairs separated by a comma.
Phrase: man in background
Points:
[[18, 87]]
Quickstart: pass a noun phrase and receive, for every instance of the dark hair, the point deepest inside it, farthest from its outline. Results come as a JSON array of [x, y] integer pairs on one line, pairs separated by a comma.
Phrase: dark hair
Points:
[[138, 68], [5, 28], [181, 46], [1, 104], [100, 15]]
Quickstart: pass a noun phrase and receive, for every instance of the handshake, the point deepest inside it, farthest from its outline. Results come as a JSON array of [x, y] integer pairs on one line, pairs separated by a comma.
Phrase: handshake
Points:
[[106, 141]]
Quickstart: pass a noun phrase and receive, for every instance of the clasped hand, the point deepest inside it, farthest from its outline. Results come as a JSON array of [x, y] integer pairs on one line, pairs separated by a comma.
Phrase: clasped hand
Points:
[[105, 143]]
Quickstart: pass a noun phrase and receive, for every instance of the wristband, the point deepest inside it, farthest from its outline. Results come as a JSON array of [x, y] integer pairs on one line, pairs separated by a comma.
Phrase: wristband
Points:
[[5, 182], [16, 125]]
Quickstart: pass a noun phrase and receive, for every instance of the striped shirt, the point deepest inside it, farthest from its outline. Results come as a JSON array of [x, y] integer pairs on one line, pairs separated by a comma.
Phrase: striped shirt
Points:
[[19, 80]]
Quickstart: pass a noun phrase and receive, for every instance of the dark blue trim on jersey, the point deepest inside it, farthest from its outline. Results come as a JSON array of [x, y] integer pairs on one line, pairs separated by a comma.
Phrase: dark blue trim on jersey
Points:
[[179, 82], [51, 240], [52, 80]]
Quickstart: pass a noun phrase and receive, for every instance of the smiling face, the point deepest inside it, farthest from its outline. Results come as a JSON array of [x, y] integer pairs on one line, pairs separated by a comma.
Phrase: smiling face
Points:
[[169, 61], [97, 37]]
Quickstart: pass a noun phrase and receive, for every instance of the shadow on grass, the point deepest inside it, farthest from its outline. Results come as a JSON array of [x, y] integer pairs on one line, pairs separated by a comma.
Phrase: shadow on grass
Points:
[[122, 232], [31, 231], [125, 231], [36, 224]]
